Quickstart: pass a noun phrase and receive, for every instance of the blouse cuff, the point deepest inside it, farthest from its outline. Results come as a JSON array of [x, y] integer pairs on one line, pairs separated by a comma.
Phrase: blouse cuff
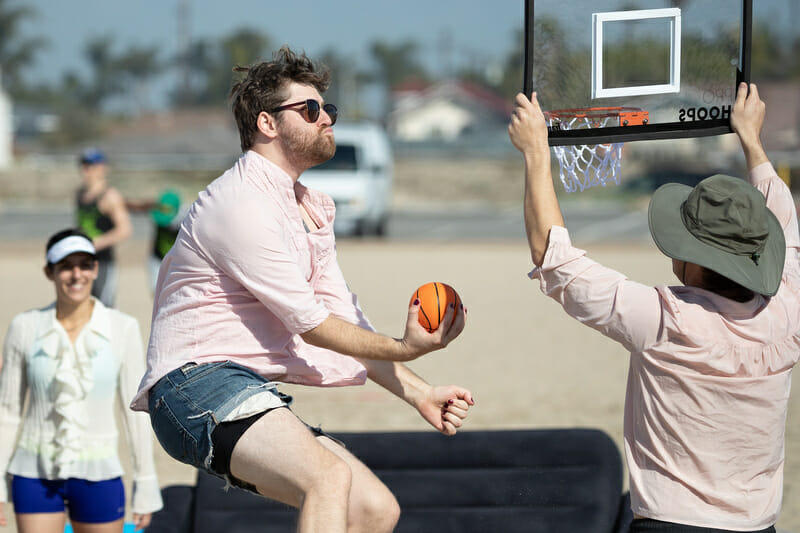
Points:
[[5, 488], [146, 496]]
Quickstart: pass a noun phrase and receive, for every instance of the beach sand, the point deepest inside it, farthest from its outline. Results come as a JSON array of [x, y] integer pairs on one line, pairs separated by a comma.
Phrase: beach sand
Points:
[[527, 364]]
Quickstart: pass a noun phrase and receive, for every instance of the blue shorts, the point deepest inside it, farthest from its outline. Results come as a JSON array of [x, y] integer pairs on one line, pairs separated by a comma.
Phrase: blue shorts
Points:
[[88, 501], [188, 404]]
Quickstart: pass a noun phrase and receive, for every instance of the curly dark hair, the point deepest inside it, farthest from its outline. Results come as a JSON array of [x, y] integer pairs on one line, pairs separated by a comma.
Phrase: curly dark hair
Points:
[[264, 87]]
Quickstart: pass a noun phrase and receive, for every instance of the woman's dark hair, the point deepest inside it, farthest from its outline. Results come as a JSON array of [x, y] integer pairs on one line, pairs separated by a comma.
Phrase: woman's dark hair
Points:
[[61, 235], [723, 286], [264, 88]]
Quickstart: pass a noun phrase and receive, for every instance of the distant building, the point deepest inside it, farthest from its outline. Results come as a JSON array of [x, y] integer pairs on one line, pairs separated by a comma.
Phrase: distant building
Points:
[[444, 111]]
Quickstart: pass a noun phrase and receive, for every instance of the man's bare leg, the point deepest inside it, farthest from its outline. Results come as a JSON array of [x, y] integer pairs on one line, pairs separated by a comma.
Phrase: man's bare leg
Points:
[[372, 508], [280, 456]]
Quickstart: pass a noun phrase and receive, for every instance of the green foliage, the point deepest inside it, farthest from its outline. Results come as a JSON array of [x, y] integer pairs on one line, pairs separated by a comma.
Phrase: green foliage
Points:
[[774, 57], [16, 52], [208, 66], [397, 63]]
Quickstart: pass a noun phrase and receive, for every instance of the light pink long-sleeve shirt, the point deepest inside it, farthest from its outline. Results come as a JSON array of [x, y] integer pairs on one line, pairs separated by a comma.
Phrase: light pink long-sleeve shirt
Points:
[[708, 382], [244, 279]]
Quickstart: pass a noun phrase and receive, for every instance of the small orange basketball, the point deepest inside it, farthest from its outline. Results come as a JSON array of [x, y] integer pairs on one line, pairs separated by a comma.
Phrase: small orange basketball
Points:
[[434, 298]]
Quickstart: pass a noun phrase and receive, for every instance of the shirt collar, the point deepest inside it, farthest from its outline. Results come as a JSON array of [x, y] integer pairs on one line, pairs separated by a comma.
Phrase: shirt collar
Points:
[[286, 187], [273, 175], [99, 323]]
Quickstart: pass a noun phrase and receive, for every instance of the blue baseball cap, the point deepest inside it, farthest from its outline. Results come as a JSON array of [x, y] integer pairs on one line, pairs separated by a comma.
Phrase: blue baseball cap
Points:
[[92, 156]]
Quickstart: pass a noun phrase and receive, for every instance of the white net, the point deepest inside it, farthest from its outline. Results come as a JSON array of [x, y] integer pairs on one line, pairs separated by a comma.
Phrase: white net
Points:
[[585, 166]]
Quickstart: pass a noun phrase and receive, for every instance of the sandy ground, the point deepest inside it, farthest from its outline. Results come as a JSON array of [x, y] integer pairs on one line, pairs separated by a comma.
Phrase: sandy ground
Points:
[[527, 363]]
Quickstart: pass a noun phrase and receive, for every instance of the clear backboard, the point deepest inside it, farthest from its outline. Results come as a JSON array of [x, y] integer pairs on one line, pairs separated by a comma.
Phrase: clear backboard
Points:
[[651, 69]]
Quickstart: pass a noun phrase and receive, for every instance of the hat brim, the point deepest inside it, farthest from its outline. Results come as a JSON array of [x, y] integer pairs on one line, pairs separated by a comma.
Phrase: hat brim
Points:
[[74, 244], [675, 241]]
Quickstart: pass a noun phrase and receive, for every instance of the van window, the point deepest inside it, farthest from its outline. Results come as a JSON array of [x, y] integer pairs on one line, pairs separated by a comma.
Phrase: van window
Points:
[[343, 159]]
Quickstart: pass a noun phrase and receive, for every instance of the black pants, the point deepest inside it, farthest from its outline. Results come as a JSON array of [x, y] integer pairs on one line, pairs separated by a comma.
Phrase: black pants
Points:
[[647, 525]]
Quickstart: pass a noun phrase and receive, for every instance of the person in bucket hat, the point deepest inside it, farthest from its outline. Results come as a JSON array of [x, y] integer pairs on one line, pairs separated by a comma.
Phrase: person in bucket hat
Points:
[[711, 358], [723, 225]]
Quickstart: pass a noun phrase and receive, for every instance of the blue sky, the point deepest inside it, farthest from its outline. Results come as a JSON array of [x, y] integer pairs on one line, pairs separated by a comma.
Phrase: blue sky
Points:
[[483, 29]]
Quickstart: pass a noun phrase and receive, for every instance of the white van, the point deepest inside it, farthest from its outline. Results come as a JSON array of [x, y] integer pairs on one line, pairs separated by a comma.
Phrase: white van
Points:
[[359, 179]]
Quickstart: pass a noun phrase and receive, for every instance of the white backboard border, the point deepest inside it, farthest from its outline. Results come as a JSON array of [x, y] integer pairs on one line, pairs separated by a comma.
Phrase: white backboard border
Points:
[[599, 90]]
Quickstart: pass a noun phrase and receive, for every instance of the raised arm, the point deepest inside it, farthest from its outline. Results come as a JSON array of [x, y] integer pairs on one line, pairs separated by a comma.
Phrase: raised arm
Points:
[[747, 120], [528, 132]]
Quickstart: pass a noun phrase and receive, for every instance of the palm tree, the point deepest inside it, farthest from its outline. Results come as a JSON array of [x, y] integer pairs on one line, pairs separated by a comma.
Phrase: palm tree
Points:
[[16, 52], [140, 65], [397, 63]]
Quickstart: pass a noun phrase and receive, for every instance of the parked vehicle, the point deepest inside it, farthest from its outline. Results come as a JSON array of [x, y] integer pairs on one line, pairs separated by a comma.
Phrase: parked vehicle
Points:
[[359, 178]]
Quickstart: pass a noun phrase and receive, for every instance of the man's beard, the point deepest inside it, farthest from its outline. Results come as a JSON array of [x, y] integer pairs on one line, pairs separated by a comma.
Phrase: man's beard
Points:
[[305, 150]]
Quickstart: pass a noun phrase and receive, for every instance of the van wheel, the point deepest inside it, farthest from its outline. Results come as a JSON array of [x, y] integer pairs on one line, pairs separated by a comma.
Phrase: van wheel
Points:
[[381, 227], [360, 228]]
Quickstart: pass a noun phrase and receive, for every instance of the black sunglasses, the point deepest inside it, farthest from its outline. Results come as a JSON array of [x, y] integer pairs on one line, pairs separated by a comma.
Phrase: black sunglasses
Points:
[[311, 110]]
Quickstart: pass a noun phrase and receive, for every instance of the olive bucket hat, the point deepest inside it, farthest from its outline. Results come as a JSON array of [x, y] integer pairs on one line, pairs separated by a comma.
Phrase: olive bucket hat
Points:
[[722, 224]]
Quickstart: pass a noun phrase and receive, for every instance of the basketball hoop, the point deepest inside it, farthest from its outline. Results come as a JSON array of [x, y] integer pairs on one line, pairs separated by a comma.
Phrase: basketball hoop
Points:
[[585, 166]]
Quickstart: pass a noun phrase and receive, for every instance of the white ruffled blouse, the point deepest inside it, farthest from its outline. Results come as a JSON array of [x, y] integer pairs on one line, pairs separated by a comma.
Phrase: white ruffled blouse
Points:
[[69, 429]]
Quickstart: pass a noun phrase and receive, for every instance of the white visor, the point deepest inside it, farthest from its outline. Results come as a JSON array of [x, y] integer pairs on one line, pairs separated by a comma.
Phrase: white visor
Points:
[[70, 245]]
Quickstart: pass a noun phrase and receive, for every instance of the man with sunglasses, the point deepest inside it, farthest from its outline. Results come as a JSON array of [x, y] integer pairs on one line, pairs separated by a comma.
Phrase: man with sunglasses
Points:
[[251, 295]]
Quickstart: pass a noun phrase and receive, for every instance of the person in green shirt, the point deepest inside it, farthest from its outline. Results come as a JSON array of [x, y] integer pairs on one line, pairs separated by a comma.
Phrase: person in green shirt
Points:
[[166, 213]]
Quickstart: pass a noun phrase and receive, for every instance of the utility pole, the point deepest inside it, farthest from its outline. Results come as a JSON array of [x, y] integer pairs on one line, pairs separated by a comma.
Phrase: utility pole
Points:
[[445, 52]]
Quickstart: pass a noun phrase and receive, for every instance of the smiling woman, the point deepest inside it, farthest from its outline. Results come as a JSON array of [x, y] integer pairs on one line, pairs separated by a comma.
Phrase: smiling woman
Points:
[[69, 360]]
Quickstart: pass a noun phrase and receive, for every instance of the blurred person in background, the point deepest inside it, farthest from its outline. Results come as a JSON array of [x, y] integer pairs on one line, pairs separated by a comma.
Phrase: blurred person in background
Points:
[[70, 361], [101, 214], [166, 212]]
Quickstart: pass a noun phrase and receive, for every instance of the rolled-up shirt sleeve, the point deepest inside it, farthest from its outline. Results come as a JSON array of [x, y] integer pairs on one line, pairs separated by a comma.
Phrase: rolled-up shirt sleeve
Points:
[[254, 250], [603, 299]]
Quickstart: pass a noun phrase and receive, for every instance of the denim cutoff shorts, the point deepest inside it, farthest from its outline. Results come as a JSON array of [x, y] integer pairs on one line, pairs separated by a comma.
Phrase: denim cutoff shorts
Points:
[[187, 404]]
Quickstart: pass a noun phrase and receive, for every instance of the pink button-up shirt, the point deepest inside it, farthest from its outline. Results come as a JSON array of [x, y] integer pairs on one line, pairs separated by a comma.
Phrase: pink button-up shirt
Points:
[[244, 279], [708, 383]]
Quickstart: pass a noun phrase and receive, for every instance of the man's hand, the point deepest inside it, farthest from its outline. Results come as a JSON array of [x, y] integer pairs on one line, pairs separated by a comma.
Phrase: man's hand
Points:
[[446, 407], [418, 341], [747, 119], [3, 521], [527, 128], [349, 339]]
